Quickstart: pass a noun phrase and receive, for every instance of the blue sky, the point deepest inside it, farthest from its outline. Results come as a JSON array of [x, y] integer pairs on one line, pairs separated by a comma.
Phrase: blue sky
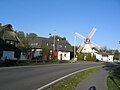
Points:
[[66, 17]]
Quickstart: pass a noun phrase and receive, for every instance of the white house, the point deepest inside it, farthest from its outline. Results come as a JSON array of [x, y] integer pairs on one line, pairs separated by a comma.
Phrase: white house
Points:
[[62, 55], [59, 49], [105, 57]]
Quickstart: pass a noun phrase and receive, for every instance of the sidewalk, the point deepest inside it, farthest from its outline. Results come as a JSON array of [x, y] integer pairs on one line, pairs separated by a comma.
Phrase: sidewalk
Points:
[[97, 81]]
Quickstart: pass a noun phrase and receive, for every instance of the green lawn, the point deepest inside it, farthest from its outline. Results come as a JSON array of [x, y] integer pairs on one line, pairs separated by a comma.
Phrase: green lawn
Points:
[[71, 82], [113, 80]]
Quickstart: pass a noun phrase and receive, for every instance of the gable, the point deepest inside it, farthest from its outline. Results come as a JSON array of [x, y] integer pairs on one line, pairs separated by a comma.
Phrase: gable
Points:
[[87, 49]]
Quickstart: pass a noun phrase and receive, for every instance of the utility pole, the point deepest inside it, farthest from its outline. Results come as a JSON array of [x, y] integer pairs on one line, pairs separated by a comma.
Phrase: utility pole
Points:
[[119, 52], [54, 42], [74, 46]]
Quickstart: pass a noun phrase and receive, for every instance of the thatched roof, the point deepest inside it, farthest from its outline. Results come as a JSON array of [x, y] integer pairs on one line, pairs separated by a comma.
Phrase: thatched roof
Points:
[[7, 33]]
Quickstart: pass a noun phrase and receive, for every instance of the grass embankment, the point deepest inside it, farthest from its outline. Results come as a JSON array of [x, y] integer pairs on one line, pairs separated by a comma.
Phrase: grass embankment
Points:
[[113, 80], [71, 82]]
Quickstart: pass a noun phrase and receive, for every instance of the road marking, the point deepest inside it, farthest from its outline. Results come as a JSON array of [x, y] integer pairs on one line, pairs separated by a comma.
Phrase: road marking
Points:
[[55, 81]]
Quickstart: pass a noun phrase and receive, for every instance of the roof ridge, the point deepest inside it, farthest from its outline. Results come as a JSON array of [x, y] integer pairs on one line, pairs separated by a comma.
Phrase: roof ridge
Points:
[[3, 27]]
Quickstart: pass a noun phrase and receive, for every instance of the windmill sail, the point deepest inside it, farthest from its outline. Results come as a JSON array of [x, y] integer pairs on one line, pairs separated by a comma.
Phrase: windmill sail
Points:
[[86, 46], [91, 33], [80, 47], [80, 36]]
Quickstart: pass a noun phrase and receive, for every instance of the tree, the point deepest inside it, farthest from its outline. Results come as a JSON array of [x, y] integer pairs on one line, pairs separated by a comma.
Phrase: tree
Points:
[[88, 57], [31, 36], [25, 39], [58, 37], [94, 57], [116, 55], [104, 49], [64, 38], [21, 36], [46, 53]]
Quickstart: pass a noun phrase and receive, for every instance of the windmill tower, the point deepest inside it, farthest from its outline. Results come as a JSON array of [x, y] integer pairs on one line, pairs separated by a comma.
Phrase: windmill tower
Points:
[[87, 46]]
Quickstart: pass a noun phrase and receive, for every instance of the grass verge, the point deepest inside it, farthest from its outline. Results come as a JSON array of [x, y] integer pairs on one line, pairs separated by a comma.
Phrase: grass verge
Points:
[[71, 82], [28, 63], [113, 80]]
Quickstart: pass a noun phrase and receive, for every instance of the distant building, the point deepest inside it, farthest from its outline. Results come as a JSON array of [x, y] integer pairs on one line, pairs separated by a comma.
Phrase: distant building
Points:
[[40, 44], [9, 51], [105, 57]]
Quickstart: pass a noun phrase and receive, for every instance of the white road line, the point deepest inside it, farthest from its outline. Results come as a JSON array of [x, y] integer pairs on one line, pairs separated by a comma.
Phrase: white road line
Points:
[[55, 81]]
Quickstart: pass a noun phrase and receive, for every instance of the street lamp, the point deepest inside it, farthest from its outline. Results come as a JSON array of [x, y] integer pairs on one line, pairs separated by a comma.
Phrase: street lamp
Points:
[[58, 44], [53, 40]]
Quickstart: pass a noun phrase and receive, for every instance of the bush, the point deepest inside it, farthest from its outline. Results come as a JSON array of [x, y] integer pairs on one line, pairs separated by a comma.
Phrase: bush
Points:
[[89, 57], [80, 56]]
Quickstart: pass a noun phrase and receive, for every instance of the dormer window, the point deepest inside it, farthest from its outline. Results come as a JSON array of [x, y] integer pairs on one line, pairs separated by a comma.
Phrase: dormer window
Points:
[[12, 42], [8, 42]]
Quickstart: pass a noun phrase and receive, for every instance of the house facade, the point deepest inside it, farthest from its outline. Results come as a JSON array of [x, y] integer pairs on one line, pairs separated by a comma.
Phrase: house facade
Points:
[[101, 56], [8, 44], [105, 57], [49, 49]]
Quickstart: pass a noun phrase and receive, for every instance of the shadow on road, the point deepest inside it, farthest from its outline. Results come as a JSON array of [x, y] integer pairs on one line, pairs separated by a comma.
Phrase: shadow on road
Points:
[[92, 88]]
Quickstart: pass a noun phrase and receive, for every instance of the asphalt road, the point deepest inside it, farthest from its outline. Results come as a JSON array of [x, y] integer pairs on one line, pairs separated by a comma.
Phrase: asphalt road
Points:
[[33, 77]]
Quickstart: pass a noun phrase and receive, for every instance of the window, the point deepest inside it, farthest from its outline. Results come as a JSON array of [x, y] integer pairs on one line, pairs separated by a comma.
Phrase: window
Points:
[[31, 44], [65, 46], [41, 53], [60, 46], [17, 54], [47, 44], [64, 55], [12, 42], [9, 42], [36, 44]]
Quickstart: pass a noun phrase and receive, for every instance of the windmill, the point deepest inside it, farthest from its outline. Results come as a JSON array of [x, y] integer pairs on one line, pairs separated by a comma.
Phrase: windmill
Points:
[[87, 46]]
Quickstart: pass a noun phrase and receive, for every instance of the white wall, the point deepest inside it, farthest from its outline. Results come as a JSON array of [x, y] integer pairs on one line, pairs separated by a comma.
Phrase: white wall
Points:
[[110, 58], [22, 57], [8, 55], [87, 49], [37, 52], [105, 58], [65, 55], [98, 56]]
